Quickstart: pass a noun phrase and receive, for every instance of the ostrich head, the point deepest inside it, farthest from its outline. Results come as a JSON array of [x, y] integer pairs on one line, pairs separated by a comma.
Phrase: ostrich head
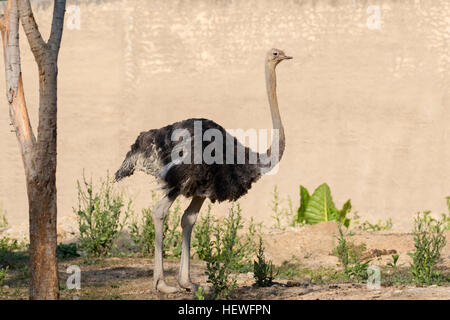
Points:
[[275, 56]]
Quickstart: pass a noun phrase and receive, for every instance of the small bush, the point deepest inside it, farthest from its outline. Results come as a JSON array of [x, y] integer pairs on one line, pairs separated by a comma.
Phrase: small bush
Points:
[[262, 270], [349, 256], [429, 239], [9, 245], [172, 232], [143, 233], [65, 251], [13, 255], [3, 273], [99, 216], [202, 238], [282, 216], [200, 293], [227, 251]]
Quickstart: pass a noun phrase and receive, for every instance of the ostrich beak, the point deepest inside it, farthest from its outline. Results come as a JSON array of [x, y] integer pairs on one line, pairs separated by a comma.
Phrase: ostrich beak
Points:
[[287, 57]]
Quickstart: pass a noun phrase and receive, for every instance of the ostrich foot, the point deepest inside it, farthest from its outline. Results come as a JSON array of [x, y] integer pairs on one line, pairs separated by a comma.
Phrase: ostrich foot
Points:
[[193, 287], [163, 287]]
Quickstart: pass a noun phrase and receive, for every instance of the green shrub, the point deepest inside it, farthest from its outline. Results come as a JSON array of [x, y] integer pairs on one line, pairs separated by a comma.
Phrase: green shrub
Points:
[[3, 273], [320, 207], [227, 251], [429, 239], [99, 216], [202, 238], [13, 255], [368, 226], [393, 264], [143, 233], [282, 216], [172, 232], [446, 217], [200, 293], [65, 251], [262, 270], [349, 256], [9, 245]]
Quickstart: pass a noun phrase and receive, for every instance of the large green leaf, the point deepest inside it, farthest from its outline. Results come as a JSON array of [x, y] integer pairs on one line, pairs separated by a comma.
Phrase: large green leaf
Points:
[[320, 206], [304, 199]]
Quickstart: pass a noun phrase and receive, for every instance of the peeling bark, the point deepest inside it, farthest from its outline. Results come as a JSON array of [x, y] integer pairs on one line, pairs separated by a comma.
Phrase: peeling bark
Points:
[[39, 156]]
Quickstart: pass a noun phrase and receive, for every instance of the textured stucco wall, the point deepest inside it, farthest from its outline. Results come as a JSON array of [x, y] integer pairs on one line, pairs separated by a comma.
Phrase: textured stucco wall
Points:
[[365, 110]]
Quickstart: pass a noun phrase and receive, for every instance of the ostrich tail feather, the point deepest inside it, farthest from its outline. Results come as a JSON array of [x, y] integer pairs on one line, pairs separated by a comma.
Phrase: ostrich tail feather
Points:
[[127, 167]]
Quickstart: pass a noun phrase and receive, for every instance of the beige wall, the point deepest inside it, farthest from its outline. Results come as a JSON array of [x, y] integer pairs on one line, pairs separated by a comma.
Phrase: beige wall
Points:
[[366, 111]]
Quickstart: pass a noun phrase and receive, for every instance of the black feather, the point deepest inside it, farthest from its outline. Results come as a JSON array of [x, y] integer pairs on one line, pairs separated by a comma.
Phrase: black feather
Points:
[[152, 152]]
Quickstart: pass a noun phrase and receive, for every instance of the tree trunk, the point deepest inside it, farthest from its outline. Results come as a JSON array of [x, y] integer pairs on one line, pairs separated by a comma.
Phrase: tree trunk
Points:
[[39, 156]]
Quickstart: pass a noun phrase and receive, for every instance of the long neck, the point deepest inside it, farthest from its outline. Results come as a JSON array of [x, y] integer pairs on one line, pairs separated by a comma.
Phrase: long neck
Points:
[[277, 126]]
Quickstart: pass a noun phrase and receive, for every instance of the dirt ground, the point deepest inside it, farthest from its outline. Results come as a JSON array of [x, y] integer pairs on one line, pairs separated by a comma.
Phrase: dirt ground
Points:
[[308, 249]]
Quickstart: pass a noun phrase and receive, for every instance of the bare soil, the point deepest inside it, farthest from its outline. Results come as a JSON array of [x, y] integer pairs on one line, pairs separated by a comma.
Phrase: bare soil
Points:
[[308, 249]]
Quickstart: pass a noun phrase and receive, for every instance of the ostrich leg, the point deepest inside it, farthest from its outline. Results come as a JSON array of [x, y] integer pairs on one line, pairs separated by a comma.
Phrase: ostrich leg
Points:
[[159, 213], [187, 222]]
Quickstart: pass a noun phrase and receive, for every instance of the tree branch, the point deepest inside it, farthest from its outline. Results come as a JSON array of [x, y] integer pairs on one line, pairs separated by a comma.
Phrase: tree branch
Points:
[[37, 44], [14, 87], [57, 25]]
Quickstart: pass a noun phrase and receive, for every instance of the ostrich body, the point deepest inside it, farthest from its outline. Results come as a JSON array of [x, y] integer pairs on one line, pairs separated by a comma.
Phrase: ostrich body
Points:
[[219, 181]]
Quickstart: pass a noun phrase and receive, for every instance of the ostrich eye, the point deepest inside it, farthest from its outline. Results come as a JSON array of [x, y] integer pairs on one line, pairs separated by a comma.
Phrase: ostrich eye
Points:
[[275, 54]]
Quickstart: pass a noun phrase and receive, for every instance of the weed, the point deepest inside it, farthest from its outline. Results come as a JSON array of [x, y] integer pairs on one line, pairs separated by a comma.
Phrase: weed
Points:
[[99, 216], [379, 226], [13, 257], [282, 216], [3, 273], [219, 272], [349, 256], [9, 245], [262, 271], [429, 239], [202, 235], [200, 294], [393, 263], [245, 246], [292, 270], [227, 252], [143, 233], [446, 217], [172, 232], [3, 220], [65, 251], [289, 270]]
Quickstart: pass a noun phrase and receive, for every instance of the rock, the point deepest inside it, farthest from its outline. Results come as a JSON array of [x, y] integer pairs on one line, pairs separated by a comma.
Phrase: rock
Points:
[[291, 283]]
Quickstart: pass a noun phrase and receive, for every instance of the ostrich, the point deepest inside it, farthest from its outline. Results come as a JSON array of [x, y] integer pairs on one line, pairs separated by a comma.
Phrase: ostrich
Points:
[[153, 153]]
